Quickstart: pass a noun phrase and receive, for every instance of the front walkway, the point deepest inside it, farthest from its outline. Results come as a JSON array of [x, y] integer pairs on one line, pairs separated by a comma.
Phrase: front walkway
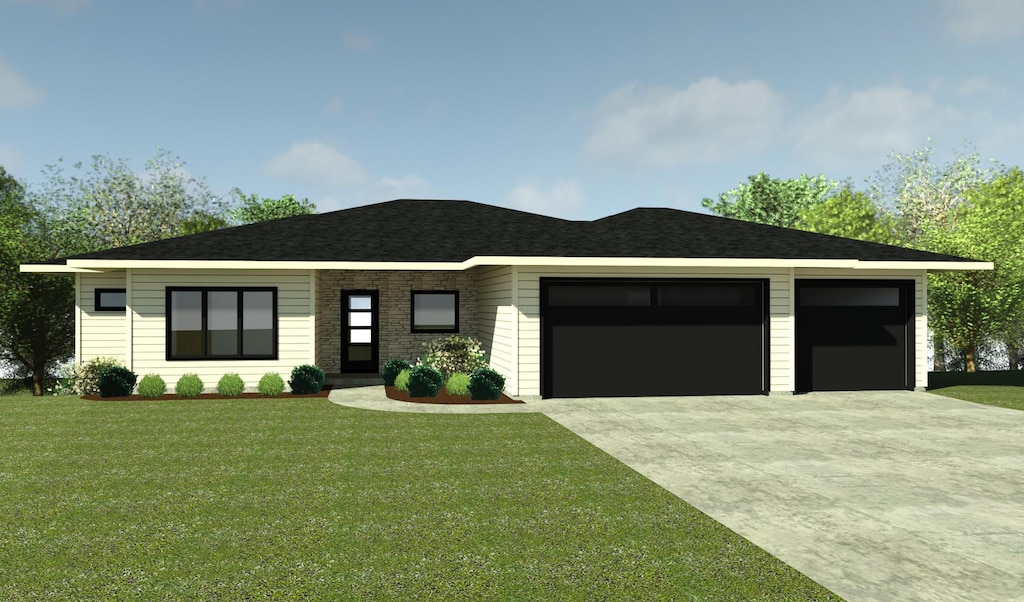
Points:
[[885, 496]]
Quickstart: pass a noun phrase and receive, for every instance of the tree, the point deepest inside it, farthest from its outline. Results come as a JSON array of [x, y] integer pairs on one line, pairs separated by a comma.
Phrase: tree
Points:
[[109, 205], [36, 319], [767, 200], [974, 306], [253, 210], [850, 214], [201, 222]]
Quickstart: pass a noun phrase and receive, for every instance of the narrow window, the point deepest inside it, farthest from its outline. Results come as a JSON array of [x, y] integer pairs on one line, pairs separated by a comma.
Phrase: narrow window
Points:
[[110, 299], [435, 311]]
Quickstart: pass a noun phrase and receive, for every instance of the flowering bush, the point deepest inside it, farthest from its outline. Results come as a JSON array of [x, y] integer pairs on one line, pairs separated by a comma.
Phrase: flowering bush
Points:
[[453, 354]]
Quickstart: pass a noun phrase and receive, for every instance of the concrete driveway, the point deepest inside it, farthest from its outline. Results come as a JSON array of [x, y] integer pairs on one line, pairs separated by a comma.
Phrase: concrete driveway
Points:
[[882, 496]]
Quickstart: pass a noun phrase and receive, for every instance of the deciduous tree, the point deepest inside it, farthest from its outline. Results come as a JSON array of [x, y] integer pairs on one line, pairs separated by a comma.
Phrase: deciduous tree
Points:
[[253, 210], [768, 200], [850, 214]]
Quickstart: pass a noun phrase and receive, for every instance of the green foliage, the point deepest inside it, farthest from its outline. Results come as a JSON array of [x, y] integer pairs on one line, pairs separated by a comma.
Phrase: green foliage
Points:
[[230, 385], [425, 381], [189, 385], [485, 383], [307, 379], [767, 200], [457, 384], [152, 385], [116, 381], [84, 379], [454, 354], [402, 380], [271, 384], [253, 210], [850, 214], [391, 369], [201, 222]]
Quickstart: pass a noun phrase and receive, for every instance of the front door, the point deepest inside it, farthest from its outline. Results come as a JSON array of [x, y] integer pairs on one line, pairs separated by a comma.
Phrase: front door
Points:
[[359, 330]]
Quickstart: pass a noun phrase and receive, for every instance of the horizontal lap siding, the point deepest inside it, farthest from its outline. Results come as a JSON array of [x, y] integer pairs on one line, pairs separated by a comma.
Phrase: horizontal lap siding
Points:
[[295, 346], [102, 333], [496, 321], [529, 307]]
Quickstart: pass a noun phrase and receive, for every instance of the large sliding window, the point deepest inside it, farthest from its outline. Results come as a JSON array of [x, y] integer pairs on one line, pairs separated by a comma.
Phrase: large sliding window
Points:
[[221, 323]]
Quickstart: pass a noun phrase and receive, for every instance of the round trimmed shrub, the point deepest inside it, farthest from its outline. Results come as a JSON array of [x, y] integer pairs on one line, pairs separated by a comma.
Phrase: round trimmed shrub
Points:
[[189, 385], [152, 385], [457, 384], [116, 381], [402, 380], [230, 385], [391, 370], [307, 379], [271, 384], [425, 381], [485, 383]]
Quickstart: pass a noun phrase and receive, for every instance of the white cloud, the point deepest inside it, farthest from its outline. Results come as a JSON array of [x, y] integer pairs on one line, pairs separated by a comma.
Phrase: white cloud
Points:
[[410, 186], [561, 199], [64, 6], [317, 164], [709, 121], [358, 41], [336, 105], [857, 128], [980, 86], [10, 158], [979, 21], [15, 91]]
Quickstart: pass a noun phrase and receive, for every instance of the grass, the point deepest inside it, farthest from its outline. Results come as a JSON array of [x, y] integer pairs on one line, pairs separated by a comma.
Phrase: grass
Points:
[[993, 395], [304, 499]]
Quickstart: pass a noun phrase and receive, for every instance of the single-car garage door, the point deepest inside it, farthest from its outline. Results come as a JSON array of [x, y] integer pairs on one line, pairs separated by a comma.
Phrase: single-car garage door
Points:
[[625, 337], [854, 335]]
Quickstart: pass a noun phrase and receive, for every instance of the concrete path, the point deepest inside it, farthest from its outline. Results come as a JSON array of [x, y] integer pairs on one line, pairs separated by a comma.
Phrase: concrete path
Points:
[[885, 496]]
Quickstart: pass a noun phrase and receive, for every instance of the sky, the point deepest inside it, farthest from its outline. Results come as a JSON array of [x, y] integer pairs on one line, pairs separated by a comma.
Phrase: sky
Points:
[[575, 109]]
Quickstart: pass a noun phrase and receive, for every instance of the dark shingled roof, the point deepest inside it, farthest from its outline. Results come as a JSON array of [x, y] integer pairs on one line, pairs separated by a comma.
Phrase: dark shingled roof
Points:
[[454, 231]]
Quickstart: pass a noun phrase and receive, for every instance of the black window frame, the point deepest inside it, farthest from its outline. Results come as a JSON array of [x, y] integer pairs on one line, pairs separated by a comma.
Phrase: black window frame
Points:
[[98, 306], [412, 312], [240, 329]]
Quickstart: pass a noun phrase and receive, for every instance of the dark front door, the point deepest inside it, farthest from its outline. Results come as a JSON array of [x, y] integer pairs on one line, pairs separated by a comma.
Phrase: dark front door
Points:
[[359, 331], [854, 335], [621, 337]]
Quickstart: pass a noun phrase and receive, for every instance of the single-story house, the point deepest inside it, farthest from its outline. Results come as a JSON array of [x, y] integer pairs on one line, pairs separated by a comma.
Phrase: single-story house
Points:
[[650, 301]]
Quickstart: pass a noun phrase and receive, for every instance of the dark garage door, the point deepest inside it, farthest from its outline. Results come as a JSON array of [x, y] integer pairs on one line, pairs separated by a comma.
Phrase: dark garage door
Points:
[[608, 338], [854, 335]]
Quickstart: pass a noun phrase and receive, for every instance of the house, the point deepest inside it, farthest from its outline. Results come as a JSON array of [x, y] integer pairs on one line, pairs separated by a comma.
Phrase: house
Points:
[[649, 301]]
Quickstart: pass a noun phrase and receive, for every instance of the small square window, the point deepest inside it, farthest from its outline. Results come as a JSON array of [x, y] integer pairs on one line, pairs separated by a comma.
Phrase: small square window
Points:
[[110, 299], [435, 311]]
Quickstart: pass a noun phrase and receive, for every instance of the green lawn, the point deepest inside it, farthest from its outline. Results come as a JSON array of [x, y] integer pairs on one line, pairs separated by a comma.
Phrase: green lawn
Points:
[[304, 499], [1004, 397]]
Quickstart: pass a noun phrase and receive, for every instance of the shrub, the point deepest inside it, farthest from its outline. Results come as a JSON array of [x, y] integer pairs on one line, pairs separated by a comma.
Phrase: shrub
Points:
[[457, 384], [84, 379], [402, 380], [425, 381], [485, 383], [391, 369], [116, 381], [454, 354], [152, 385], [271, 384], [307, 379], [189, 385], [230, 385]]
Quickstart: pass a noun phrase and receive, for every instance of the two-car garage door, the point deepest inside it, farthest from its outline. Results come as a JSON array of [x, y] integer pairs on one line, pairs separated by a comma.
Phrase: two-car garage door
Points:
[[630, 337]]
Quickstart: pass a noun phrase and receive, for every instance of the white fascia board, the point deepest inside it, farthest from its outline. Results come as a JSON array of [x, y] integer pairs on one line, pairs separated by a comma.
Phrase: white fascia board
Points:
[[40, 268]]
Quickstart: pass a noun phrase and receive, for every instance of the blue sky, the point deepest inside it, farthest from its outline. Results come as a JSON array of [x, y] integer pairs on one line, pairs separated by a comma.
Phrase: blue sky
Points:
[[577, 109]]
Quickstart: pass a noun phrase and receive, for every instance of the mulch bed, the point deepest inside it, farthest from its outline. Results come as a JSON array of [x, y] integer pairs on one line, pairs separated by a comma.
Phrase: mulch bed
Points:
[[445, 397], [323, 393]]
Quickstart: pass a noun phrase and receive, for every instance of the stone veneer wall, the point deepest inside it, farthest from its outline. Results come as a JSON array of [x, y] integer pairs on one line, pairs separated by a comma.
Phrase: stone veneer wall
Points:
[[394, 294]]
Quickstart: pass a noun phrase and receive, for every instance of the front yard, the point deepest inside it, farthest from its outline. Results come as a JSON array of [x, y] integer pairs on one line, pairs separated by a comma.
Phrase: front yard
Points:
[[304, 499]]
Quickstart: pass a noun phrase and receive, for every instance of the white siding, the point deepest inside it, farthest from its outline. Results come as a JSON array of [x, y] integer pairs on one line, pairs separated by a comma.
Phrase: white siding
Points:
[[294, 322], [101, 333], [497, 317]]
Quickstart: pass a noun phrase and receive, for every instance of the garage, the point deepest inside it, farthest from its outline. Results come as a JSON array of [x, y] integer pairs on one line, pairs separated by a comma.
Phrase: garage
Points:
[[854, 335], [631, 337]]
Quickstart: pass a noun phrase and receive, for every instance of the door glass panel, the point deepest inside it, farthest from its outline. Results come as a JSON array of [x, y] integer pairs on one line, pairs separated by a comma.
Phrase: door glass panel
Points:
[[360, 335], [360, 353], [360, 318], [592, 295], [706, 295], [359, 302], [850, 296]]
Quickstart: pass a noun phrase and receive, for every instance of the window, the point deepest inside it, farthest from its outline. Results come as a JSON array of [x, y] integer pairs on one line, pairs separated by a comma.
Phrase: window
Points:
[[435, 311], [110, 299], [850, 296], [221, 323]]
